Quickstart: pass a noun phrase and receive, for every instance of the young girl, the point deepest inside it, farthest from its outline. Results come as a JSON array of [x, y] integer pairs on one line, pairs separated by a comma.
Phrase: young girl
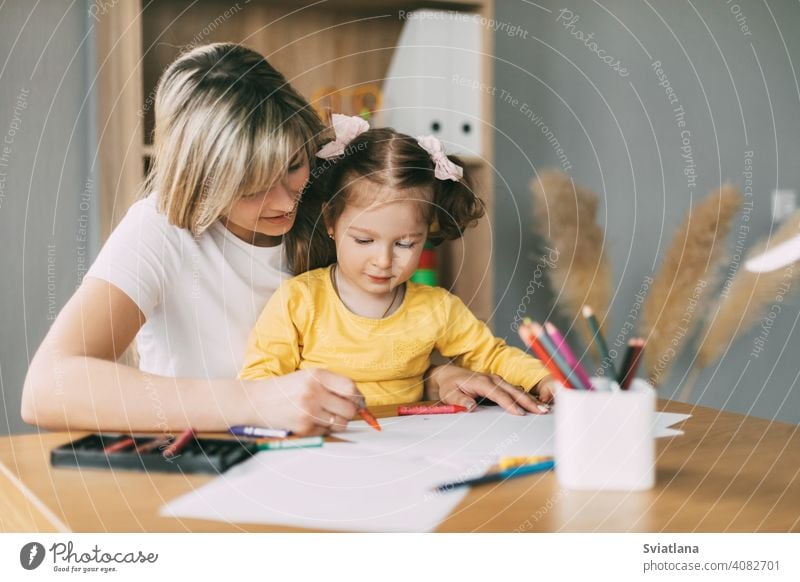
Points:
[[361, 317]]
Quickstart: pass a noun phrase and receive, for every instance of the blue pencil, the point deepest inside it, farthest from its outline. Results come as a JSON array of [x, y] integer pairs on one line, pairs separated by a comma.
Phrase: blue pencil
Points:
[[500, 475]]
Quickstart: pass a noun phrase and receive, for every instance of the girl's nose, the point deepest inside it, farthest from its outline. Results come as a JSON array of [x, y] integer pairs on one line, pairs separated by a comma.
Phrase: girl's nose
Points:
[[383, 260]]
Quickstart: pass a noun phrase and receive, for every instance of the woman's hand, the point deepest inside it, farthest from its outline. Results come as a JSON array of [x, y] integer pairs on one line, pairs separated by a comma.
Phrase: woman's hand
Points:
[[462, 387], [308, 402]]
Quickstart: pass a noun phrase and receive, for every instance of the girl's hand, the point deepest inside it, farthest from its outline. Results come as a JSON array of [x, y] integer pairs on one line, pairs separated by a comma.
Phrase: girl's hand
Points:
[[545, 390], [459, 386], [308, 402]]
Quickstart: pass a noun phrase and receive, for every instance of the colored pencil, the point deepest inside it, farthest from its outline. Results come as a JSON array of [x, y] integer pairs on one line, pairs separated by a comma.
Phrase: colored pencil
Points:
[[499, 475], [526, 334], [569, 355], [549, 346], [631, 362], [422, 409], [179, 443], [597, 333]]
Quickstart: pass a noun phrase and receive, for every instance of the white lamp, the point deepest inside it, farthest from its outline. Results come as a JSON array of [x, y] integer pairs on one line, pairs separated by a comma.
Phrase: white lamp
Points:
[[775, 258]]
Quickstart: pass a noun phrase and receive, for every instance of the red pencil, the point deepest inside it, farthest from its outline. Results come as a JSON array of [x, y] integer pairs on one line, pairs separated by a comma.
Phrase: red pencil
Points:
[[438, 409], [179, 443], [526, 333]]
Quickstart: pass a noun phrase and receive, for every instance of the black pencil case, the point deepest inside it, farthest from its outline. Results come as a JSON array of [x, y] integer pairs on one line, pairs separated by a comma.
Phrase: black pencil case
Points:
[[200, 455]]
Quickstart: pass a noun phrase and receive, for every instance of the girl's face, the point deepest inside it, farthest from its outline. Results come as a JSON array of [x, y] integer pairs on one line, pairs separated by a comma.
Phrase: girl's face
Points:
[[378, 247], [259, 217]]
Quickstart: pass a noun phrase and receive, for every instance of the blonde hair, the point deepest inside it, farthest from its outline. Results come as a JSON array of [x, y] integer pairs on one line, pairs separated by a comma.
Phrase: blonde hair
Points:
[[227, 124]]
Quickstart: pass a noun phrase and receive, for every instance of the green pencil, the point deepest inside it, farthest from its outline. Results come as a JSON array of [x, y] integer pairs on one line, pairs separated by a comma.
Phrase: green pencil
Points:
[[594, 326]]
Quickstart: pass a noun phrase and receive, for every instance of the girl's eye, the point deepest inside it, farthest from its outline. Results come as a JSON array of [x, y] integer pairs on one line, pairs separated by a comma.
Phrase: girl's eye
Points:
[[295, 167], [406, 245], [363, 241]]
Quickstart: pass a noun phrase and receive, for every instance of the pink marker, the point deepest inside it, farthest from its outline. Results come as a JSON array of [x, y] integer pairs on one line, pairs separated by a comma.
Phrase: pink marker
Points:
[[572, 361]]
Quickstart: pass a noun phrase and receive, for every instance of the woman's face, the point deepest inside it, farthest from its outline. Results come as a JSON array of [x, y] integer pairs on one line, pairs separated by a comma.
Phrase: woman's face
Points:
[[262, 217]]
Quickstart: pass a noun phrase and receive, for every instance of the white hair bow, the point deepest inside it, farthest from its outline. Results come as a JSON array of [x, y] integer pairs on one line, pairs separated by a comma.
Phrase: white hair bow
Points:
[[445, 169], [346, 128]]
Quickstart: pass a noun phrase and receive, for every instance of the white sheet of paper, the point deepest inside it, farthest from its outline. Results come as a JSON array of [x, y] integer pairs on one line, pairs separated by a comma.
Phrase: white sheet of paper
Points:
[[336, 487], [379, 481], [666, 419], [458, 439], [473, 441]]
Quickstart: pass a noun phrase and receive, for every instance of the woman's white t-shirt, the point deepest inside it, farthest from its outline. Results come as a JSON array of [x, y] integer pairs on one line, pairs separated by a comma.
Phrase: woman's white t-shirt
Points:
[[200, 295]]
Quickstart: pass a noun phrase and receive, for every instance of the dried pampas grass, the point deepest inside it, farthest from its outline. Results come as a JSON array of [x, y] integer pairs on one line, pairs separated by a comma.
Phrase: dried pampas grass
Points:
[[688, 272], [744, 302], [565, 215]]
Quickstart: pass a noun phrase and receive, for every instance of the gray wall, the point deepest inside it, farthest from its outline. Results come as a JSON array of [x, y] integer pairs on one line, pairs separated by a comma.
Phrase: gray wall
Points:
[[740, 92], [46, 193]]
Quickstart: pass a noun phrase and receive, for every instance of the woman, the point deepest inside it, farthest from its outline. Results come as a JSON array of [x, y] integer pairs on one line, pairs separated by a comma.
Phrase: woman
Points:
[[190, 267]]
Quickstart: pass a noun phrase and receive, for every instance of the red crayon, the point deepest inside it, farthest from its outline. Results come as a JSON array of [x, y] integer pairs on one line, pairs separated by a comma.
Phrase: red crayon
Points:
[[120, 445], [152, 444], [179, 443], [438, 409], [371, 420]]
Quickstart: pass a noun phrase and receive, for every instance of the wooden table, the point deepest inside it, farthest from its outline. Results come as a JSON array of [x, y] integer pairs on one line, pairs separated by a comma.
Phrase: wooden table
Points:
[[727, 473]]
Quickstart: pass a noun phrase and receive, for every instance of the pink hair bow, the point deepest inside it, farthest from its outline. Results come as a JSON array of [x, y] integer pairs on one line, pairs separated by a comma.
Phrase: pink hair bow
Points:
[[346, 128], [445, 169]]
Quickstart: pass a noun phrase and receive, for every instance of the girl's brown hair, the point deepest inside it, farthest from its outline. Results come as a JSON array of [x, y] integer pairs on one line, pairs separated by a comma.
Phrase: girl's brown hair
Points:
[[394, 161], [229, 124]]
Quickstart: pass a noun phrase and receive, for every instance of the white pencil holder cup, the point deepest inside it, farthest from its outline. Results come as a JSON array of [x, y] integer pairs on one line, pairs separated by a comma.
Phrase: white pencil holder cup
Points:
[[604, 437]]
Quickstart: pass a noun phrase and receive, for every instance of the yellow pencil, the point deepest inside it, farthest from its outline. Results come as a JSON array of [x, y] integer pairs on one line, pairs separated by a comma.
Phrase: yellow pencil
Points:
[[511, 462]]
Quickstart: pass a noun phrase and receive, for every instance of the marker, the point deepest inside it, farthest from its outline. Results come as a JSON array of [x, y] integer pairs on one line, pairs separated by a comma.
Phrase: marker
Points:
[[259, 432], [120, 445], [297, 443], [367, 416], [180, 442], [499, 475], [438, 409], [510, 462]]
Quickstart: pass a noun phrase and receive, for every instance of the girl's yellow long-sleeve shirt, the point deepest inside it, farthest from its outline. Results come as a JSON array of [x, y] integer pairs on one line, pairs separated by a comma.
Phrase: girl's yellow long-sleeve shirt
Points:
[[305, 325]]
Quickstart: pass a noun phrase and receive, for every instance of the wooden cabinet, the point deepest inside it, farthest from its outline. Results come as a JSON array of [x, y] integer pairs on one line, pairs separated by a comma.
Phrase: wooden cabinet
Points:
[[339, 43]]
